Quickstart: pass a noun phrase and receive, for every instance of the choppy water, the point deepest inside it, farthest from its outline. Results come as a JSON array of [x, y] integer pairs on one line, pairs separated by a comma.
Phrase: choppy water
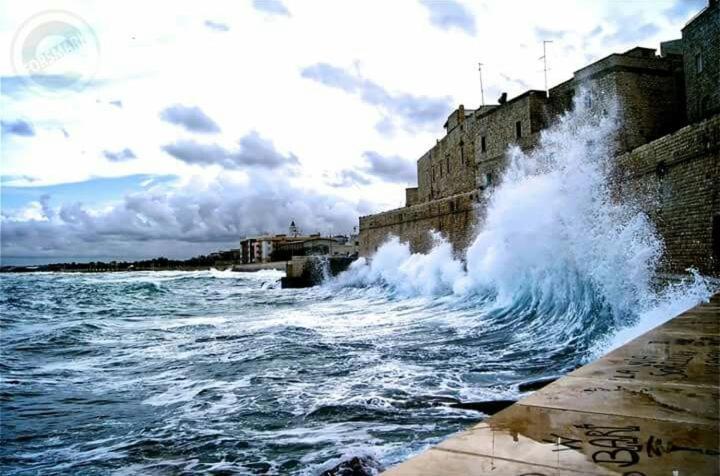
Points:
[[165, 372], [222, 373], [207, 371]]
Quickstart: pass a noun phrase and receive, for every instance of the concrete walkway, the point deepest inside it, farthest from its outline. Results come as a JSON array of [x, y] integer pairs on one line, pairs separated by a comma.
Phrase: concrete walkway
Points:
[[648, 408]]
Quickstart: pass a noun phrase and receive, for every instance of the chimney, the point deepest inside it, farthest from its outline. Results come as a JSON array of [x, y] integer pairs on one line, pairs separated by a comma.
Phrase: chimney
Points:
[[503, 98], [461, 114]]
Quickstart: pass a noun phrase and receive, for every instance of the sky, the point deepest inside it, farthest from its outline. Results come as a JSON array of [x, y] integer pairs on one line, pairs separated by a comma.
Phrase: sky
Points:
[[174, 128]]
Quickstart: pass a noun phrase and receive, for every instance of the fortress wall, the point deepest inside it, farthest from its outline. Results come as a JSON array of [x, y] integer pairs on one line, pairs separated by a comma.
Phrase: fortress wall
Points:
[[677, 177], [454, 217]]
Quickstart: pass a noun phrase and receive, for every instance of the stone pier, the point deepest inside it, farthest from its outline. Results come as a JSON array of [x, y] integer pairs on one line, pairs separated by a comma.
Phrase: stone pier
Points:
[[647, 408]]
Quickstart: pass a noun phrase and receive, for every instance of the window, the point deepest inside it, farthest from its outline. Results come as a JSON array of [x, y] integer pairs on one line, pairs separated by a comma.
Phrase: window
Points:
[[698, 63], [518, 129], [447, 164], [488, 179], [462, 153], [483, 145]]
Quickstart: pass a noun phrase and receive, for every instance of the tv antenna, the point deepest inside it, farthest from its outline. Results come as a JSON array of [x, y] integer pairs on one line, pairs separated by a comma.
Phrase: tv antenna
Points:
[[482, 91], [545, 67]]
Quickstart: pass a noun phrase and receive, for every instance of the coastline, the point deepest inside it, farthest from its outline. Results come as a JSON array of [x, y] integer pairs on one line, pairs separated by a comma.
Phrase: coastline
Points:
[[648, 407]]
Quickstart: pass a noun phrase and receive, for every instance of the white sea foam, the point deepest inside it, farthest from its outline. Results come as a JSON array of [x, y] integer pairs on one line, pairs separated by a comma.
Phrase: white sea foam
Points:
[[553, 237]]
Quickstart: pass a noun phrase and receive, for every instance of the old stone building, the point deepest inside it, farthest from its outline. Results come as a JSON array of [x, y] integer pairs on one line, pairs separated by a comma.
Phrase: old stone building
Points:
[[656, 96], [701, 51]]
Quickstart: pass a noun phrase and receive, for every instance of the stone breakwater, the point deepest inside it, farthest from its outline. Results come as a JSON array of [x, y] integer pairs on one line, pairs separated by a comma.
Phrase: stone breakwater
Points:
[[647, 408]]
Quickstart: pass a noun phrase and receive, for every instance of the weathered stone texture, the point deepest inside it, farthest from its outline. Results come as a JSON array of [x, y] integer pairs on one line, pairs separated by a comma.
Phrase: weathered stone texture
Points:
[[449, 167], [675, 179], [498, 129], [454, 217], [701, 43], [411, 196], [678, 176]]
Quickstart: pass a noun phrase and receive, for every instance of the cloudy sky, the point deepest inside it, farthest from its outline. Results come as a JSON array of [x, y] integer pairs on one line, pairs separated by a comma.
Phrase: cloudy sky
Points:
[[136, 129]]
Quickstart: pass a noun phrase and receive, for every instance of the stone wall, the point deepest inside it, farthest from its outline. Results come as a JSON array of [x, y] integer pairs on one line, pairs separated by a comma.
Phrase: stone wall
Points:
[[701, 40], [448, 168], [411, 196], [677, 179], [649, 91], [454, 217]]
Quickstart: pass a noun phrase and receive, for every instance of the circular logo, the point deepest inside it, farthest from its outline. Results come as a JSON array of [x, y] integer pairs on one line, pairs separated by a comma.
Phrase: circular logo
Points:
[[55, 52]]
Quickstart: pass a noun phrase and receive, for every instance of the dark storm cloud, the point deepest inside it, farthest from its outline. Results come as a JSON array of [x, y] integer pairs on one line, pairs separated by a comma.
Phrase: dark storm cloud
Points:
[[390, 168], [119, 156], [191, 118], [179, 222], [217, 26], [254, 151], [448, 14], [274, 7], [17, 128], [414, 111]]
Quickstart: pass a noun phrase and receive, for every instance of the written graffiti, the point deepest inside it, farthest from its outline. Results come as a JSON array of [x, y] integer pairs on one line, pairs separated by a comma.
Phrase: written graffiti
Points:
[[671, 366], [620, 446]]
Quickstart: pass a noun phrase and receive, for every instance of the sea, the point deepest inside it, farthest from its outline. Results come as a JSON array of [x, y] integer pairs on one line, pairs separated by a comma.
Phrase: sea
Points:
[[220, 372]]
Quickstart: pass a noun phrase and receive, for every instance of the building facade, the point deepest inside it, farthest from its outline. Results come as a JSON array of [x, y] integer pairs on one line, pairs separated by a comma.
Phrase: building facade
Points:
[[656, 94]]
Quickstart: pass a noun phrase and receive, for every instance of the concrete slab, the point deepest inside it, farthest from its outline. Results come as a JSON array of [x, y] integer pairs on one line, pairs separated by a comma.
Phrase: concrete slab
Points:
[[648, 408], [659, 357], [592, 442], [437, 462], [679, 403]]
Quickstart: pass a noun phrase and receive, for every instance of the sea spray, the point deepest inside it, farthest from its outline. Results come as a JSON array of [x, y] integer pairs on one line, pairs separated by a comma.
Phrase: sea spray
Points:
[[554, 243]]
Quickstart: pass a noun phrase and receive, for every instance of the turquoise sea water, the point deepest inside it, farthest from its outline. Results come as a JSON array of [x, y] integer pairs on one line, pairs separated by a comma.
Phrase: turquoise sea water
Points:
[[173, 372]]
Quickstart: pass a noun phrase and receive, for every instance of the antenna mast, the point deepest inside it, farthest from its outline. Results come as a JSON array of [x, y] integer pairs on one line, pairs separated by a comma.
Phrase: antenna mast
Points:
[[482, 91], [545, 68]]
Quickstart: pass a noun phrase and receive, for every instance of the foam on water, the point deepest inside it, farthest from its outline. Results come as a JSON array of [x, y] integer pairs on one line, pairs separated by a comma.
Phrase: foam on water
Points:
[[553, 240], [215, 371]]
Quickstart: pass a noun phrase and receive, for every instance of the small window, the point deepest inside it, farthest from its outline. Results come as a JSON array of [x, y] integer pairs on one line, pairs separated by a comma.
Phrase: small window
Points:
[[447, 164], [588, 101], [698, 63], [462, 153], [483, 145], [518, 129]]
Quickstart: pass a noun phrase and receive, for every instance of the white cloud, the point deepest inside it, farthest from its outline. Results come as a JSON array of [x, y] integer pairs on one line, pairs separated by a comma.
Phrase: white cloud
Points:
[[249, 78]]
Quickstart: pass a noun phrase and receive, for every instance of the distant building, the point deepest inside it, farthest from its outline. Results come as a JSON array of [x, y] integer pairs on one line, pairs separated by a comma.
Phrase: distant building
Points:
[[267, 248]]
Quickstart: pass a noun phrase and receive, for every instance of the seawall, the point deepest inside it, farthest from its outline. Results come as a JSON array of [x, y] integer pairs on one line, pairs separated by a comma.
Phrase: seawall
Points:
[[675, 180], [647, 408]]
